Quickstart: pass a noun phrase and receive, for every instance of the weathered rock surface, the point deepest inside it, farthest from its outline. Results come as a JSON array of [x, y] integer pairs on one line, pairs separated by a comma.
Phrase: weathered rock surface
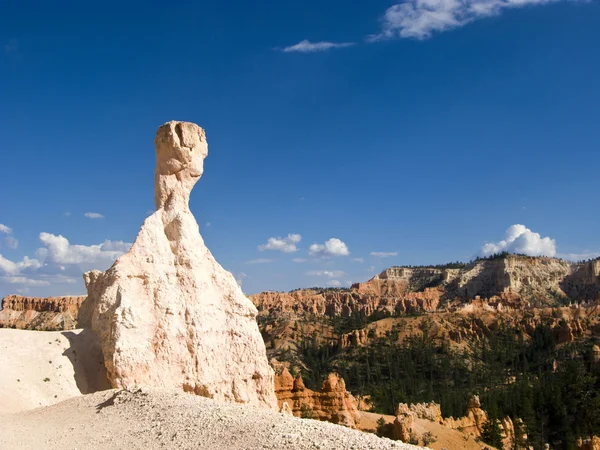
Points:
[[166, 313], [42, 314], [332, 404]]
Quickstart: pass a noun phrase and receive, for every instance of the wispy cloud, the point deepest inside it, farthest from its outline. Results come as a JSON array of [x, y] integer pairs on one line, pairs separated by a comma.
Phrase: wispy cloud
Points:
[[10, 241], [326, 273], [384, 254], [334, 283], [520, 239], [579, 256], [259, 261], [299, 260], [358, 260], [93, 215], [306, 46], [240, 277], [331, 247], [24, 281], [421, 18], [286, 244]]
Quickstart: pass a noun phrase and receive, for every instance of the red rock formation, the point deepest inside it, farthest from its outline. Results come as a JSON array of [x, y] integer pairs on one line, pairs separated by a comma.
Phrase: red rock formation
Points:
[[332, 404], [46, 314]]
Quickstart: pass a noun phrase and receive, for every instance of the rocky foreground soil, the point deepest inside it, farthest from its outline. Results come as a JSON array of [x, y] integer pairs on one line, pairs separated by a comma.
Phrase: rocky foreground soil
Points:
[[153, 419]]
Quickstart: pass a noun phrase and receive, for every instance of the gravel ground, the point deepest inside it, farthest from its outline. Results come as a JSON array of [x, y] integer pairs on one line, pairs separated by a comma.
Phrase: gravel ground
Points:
[[153, 419]]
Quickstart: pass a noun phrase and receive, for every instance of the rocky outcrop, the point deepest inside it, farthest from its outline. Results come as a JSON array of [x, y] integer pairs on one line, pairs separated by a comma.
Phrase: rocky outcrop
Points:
[[471, 424], [428, 411], [473, 420], [595, 359], [404, 426], [332, 404], [42, 314], [166, 313], [592, 443]]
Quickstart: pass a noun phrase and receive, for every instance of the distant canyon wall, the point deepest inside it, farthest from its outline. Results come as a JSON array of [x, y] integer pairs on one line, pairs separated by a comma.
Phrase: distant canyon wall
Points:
[[511, 280], [42, 314]]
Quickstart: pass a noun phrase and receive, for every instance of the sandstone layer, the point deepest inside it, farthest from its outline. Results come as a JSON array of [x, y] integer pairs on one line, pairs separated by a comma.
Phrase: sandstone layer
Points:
[[42, 314], [166, 313]]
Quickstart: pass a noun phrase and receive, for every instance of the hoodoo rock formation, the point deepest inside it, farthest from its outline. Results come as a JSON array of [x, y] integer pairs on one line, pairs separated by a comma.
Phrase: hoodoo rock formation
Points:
[[332, 404], [166, 313], [42, 314]]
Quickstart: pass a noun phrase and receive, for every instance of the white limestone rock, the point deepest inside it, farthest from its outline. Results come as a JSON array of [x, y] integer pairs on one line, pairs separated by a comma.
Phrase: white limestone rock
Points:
[[166, 313]]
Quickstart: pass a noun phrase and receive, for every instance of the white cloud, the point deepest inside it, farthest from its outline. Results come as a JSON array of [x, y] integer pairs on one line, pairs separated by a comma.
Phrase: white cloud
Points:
[[326, 273], [306, 46], [4, 229], [93, 215], [421, 18], [334, 283], [58, 250], [207, 225], [299, 260], [359, 260], [384, 254], [259, 261], [115, 248], [286, 245], [60, 262], [13, 268], [332, 247], [520, 239]]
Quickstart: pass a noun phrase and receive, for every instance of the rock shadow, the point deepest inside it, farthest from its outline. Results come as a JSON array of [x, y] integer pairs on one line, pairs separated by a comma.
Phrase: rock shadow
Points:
[[88, 362]]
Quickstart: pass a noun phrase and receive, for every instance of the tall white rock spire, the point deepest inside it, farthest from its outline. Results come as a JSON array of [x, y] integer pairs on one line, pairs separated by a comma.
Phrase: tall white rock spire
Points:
[[166, 313]]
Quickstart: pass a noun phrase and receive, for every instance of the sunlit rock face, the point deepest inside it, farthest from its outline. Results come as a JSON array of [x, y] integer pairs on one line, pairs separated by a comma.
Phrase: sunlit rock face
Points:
[[166, 313]]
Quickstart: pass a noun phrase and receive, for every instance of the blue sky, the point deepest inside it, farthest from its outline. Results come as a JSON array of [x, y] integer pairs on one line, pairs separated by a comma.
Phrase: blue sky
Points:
[[355, 135]]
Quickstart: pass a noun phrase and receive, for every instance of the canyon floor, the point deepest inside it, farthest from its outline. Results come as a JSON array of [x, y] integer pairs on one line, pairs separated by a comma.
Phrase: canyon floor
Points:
[[43, 384]]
